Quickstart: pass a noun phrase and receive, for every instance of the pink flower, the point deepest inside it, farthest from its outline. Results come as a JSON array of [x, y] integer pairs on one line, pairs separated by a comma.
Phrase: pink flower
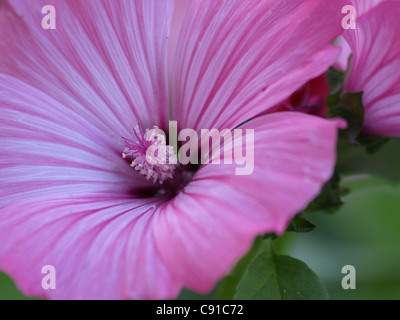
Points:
[[310, 98], [67, 96], [362, 7], [374, 68]]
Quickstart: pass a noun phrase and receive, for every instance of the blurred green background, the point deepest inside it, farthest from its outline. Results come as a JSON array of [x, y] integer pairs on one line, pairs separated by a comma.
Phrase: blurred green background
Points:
[[364, 233]]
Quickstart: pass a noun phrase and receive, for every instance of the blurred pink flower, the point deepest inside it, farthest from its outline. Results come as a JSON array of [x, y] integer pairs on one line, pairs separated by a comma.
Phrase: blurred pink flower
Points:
[[310, 98], [67, 96], [375, 65], [362, 7]]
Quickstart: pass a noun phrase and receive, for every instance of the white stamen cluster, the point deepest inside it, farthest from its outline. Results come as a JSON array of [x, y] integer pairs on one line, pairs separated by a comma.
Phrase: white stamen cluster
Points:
[[152, 157]]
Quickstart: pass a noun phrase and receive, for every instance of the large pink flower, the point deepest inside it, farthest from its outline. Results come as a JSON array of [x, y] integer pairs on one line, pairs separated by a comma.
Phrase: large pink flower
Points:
[[361, 7], [375, 66], [67, 96]]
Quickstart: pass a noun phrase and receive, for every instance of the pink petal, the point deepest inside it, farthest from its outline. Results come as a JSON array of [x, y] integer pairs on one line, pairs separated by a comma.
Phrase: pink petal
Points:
[[181, 9], [202, 232], [343, 60], [237, 59], [101, 247], [47, 149], [362, 7], [107, 60], [375, 68]]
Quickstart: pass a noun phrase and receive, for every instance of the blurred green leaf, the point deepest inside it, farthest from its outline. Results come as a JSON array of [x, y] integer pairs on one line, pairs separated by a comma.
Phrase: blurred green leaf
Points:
[[364, 233], [385, 163], [300, 224], [350, 108], [275, 277], [335, 81], [371, 143], [190, 295], [227, 287], [8, 290], [329, 200]]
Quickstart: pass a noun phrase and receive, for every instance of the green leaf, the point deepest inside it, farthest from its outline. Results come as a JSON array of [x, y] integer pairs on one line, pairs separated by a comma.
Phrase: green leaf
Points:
[[275, 277], [335, 81], [329, 200], [372, 143], [350, 108], [300, 224], [9, 291], [227, 287]]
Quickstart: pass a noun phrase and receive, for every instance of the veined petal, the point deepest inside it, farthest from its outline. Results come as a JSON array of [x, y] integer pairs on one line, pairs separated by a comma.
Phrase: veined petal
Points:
[[106, 60], [47, 149], [181, 9], [101, 248], [374, 67], [362, 7], [236, 59], [213, 221]]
